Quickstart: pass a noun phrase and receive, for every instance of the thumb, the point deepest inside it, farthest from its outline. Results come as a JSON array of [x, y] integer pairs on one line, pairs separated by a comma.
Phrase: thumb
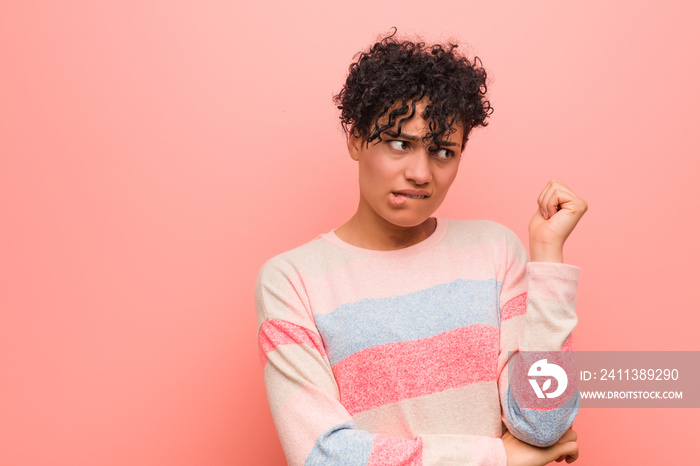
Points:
[[561, 450]]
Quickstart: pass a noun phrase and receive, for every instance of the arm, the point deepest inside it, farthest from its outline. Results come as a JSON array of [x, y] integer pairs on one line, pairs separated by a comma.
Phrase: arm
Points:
[[538, 308], [313, 426], [537, 314]]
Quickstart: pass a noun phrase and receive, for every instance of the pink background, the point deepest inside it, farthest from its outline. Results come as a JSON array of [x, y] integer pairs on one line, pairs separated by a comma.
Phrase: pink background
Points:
[[154, 154]]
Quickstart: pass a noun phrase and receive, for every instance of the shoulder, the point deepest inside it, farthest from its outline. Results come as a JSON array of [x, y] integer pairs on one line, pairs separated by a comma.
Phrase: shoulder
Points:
[[287, 262], [311, 258]]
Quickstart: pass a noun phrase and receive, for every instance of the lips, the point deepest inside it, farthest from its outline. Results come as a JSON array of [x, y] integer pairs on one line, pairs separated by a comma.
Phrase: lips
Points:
[[412, 194]]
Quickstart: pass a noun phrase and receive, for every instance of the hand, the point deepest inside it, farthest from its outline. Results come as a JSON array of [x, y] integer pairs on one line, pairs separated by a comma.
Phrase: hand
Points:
[[520, 453], [559, 212]]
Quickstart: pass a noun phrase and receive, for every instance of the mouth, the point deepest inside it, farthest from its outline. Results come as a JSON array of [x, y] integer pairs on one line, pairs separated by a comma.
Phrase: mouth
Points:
[[410, 196]]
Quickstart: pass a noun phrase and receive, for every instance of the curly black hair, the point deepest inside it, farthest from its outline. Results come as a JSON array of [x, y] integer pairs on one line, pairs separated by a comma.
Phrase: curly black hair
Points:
[[398, 74]]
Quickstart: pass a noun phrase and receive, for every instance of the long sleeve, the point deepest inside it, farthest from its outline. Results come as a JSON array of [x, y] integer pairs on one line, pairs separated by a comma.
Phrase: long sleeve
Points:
[[537, 313], [313, 425]]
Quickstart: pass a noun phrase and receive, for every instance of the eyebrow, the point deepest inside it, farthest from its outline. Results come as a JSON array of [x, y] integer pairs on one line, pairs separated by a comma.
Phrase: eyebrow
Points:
[[413, 137]]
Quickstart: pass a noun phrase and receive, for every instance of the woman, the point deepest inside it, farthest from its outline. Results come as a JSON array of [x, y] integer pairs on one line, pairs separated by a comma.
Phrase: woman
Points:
[[386, 340]]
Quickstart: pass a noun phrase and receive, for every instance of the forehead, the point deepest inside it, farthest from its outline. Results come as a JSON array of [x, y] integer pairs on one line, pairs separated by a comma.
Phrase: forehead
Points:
[[417, 125]]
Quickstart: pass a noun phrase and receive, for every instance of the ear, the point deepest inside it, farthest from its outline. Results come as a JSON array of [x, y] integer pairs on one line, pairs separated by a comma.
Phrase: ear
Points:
[[354, 145]]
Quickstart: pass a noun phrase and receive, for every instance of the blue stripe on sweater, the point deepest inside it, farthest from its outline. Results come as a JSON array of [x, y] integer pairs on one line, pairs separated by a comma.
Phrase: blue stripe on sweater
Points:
[[342, 444], [363, 324], [538, 427]]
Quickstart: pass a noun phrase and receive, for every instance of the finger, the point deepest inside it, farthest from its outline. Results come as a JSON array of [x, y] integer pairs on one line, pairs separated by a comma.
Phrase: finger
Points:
[[567, 449], [568, 200], [573, 457], [542, 193], [569, 435], [540, 198], [545, 200], [546, 195], [554, 198]]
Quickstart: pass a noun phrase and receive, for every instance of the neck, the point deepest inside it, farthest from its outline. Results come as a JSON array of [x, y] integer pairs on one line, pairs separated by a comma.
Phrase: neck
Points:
[[378, 234]]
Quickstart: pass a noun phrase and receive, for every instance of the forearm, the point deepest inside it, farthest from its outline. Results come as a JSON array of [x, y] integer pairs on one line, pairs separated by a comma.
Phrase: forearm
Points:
[[542, 319]]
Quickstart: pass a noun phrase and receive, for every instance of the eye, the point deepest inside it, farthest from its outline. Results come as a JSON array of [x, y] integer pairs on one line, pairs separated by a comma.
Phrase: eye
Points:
[[398, 144], [442, 153]]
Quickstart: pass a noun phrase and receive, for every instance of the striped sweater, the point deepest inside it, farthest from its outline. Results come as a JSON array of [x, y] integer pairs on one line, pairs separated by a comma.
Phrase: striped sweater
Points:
[[400, 357]]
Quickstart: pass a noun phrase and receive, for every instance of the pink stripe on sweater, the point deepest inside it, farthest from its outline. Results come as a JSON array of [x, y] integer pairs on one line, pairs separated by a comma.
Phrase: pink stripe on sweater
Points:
[[396, 371], [393, 451], [569, 343], [515, 307], [275, 332]]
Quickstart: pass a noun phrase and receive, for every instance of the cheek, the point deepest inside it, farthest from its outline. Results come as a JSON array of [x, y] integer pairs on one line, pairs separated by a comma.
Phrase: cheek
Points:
[[376, 172], [447, 175]]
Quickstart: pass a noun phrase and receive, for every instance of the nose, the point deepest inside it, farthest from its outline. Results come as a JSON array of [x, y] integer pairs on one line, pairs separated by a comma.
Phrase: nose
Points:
[[418, 167]]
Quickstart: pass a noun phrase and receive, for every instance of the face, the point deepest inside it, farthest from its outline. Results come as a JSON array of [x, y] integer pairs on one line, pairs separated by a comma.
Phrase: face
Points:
[[403, 179]]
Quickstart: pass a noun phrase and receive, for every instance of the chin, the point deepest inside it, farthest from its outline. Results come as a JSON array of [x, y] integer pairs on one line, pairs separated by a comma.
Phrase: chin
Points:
[[406, 221]]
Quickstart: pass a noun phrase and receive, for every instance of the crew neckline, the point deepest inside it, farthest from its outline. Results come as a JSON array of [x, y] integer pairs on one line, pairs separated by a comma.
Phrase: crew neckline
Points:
[[427, 243]]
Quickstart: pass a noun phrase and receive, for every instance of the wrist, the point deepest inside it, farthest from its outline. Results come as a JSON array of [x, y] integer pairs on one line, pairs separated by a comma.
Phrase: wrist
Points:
[[541, 252]]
